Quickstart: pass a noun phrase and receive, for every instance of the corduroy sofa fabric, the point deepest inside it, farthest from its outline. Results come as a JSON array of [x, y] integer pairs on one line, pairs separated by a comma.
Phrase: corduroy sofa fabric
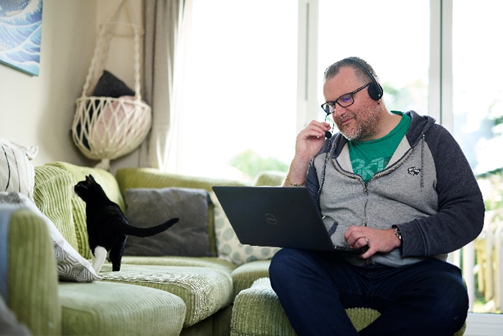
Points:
[[109, 184], [269, 179], [258, 312], [32, 276], [52, 185], [212, 262], [167, 295], [102, 308], [204, 290], [244, 276]]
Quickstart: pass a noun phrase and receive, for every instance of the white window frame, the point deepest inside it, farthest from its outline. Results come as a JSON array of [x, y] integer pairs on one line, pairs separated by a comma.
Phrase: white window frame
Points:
[[307, 64], [440, 97]]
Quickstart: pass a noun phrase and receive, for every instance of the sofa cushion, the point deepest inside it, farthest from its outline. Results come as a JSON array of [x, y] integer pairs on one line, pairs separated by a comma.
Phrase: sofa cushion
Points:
[[101, 308], [204, 290], [71, 265], [16, 171], [257, 311], [147, 207], [53, 196], [153, 178], [107, 182], [245, 275], [181, 261]]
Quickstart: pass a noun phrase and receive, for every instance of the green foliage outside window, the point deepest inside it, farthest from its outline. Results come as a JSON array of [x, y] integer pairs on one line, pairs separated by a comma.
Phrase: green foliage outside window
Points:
[[252, 163]]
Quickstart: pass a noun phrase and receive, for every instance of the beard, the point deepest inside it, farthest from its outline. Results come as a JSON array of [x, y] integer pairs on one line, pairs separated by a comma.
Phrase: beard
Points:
[[363, 125]]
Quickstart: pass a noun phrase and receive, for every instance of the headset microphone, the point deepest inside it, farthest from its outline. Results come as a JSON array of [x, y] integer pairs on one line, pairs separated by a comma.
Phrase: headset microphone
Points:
[[328, 134]]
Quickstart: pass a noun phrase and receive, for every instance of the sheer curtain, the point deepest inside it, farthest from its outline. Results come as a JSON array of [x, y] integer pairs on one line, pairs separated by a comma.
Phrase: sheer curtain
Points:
[[166, 24]]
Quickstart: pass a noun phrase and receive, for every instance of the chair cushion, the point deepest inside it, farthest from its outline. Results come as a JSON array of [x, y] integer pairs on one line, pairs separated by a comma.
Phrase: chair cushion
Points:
[[147, 207], [245, 275], [16, 171], [257, 311], [107, 182], [102, 308], [180, 261], [128, 178], [204, 290]]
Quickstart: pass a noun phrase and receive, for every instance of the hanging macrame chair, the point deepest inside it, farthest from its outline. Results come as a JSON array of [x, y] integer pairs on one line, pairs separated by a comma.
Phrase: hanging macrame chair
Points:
[[106, 128]]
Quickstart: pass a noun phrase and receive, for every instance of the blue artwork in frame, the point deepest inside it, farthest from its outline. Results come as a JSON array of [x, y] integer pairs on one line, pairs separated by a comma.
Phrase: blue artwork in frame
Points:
[[21, 34]]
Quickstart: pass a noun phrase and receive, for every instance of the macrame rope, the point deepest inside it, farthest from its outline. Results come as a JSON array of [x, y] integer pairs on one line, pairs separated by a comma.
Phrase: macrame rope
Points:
[[105, 128]]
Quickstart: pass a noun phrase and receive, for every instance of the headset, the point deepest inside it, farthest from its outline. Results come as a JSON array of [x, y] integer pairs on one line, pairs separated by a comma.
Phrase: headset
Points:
[[375, 89]]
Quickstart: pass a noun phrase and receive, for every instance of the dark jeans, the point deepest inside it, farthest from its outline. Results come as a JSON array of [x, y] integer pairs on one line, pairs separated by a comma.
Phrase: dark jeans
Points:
[[314, 288]]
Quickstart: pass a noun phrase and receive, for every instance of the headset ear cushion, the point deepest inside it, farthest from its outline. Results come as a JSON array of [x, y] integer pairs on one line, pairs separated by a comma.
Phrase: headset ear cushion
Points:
[[375, 91]]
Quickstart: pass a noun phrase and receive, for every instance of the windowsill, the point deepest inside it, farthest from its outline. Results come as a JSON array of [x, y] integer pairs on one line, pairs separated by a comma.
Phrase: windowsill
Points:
[[478, 324]]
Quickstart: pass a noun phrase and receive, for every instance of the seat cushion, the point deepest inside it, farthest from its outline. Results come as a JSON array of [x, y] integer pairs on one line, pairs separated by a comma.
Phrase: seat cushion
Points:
[[257, 311], [102, 308], [107, 182], [181, 261], [204, 290], [245, 275]]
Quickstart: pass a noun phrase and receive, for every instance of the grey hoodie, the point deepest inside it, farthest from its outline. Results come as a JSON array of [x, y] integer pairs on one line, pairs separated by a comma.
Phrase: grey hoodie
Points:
[[427, 190]]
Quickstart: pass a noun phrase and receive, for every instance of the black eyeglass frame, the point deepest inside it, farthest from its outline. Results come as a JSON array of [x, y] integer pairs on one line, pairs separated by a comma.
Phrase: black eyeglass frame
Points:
[[327, 104]]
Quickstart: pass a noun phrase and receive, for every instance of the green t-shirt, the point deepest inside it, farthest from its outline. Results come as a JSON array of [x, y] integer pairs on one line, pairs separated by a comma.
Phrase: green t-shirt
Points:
[[370, 157]]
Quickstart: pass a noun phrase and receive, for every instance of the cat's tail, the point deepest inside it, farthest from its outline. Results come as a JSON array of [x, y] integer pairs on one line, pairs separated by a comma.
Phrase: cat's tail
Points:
[[149, 231]]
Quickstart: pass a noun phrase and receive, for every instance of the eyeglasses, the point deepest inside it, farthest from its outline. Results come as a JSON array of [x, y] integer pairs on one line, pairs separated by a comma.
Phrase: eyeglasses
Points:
[[343, 101]]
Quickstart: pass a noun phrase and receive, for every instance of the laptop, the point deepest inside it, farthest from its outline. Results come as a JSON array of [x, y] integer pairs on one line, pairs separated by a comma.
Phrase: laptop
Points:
[[276, 217]]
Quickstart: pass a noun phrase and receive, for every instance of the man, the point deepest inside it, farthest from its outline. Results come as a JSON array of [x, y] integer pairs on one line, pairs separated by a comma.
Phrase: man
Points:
[[396, 183]]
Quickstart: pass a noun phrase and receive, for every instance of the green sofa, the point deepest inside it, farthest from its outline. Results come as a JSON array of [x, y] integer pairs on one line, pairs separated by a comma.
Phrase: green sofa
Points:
[[164, 295], [150, 295]]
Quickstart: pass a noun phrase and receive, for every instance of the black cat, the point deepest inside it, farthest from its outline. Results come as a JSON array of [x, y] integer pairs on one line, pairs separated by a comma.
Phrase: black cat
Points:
[[107, 226]]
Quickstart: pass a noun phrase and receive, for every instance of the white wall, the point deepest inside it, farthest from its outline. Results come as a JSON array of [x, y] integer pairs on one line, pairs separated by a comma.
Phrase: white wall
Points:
[[121, 57], [39, 110]]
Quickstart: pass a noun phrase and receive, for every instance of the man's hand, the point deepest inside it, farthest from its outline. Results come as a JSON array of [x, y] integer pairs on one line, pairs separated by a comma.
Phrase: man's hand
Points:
[[310, 140], [378, 240], [308, 144]]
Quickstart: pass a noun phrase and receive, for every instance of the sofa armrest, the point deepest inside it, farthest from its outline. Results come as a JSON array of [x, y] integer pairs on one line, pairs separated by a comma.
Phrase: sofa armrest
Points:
[[270, 178], [32, 278]]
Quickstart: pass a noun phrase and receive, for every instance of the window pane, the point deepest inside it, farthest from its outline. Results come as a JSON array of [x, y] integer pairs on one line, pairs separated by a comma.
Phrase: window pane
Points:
[[395, 42], [241, 88], [478, 127]]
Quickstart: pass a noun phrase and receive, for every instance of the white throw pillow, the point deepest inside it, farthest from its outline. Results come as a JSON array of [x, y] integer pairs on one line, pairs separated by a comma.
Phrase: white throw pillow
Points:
[[16, 171], [228, 246], [71, 265]]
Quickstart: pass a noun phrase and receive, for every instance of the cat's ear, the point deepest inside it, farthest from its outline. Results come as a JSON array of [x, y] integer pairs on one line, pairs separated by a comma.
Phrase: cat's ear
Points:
[[90, 178]]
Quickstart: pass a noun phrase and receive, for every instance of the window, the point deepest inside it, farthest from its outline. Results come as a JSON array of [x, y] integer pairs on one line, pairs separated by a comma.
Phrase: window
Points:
[[478, 127], [239, 110], [255, 76], [390, 42]]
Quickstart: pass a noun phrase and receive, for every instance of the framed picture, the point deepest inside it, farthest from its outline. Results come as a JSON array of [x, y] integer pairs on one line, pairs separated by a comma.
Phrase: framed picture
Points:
[[21, 34]]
